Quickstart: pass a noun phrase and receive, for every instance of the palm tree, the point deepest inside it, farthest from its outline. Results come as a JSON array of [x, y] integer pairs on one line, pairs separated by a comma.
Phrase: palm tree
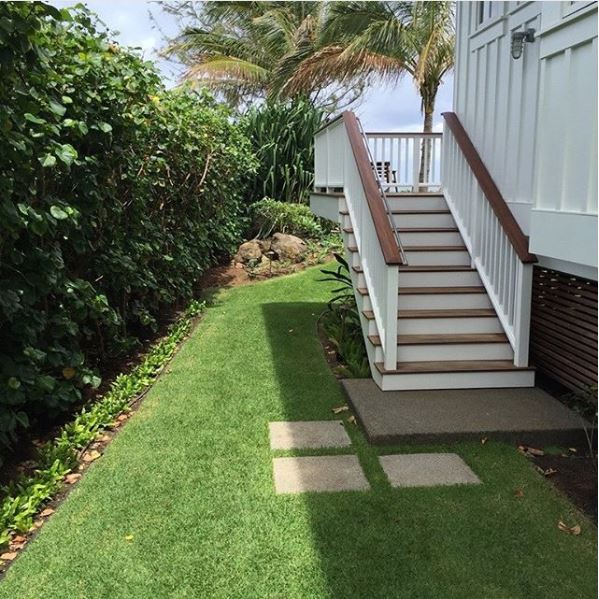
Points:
[[389, 39], [249, 50]]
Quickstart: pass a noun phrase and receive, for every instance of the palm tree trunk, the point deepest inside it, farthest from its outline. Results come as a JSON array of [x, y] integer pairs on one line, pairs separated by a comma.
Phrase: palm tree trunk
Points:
[[425, 152]]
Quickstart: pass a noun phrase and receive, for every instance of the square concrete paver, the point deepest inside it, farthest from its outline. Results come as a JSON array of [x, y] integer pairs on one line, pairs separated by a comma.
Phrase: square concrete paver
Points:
[[427, 470], [308, 434], [325, 473]]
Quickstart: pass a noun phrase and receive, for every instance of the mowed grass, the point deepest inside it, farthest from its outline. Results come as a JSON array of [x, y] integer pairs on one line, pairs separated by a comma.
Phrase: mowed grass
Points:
[[182, 503]]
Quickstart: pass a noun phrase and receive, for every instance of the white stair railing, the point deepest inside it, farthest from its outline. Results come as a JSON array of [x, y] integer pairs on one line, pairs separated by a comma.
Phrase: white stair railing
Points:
[[342, 161], [497, 246], [400, 164]]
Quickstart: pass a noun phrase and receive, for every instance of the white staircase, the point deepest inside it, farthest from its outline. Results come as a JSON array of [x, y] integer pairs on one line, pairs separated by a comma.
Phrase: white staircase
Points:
[[435, 314], [449, 335]]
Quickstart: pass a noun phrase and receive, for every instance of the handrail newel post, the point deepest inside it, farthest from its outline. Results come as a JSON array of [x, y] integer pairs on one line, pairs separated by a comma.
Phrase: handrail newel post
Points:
[[390, 360], [522, 311]]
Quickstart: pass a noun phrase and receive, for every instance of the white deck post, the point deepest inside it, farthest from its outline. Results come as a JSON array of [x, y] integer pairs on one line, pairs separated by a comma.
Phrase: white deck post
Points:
[[522, 313]]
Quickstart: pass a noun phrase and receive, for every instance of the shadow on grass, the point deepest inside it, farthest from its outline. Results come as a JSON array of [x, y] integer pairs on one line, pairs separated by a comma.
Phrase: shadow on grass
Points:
[[352, 531]]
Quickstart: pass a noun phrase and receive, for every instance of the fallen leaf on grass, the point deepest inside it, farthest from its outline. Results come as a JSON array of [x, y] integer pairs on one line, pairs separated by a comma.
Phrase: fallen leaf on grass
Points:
[[530, 451], [352, 420], [8, 556], [72, 478], [90, 456], [128, 537], [571, 530], [340, 409], [484, 440], [19, 539], [47, 512], [519, 493]]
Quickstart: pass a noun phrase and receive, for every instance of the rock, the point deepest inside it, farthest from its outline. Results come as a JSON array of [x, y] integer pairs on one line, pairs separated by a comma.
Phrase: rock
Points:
[[288, 247], [250, 250], [265, 245]]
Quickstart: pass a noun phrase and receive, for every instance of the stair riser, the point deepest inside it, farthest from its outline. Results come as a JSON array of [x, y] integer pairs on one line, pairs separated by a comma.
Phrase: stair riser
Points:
[[423, 220], [457, 258], [439, 279], [451, 238], [458, 351], [442, 326], [417, 203], [457, 380], [349, 239], [444, 301]]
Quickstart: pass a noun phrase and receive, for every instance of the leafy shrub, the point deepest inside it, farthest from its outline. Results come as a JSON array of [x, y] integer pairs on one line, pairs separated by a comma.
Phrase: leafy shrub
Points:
[[269, 216], [114, 196], [282, 137], [341, 323]]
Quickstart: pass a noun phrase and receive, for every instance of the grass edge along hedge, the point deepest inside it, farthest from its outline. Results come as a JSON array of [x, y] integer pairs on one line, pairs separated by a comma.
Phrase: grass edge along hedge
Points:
[[23, 499], [115, 196]]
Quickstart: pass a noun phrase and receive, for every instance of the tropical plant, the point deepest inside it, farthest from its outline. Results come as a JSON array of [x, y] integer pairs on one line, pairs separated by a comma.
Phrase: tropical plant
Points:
[[341, 322], [269, 216], [249, 50], [282, 137], [112, 204]]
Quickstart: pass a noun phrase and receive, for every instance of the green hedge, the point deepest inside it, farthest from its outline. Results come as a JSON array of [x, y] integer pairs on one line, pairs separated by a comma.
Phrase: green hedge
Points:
[[115, 195]]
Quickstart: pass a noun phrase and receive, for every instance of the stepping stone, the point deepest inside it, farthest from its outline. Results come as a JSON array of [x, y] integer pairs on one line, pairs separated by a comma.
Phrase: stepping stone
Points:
[[308, 435], [326, 473], [427, 470]]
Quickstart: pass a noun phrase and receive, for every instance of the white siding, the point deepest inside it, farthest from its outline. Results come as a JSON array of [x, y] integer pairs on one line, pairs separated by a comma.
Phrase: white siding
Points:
[[534, 120]]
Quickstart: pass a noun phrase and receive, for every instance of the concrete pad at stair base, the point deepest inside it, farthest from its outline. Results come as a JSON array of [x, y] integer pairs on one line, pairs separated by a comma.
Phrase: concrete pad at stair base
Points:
[[523, 415], [313, 474], [427, 470], [308, 434]]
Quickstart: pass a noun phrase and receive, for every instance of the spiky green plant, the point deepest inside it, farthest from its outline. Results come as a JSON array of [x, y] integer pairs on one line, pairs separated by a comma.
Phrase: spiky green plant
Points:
[[282, 135]]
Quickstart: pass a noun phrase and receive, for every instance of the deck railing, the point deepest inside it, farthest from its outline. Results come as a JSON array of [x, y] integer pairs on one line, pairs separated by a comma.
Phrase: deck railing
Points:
[[407, 162], [342, 161], [497, 245]]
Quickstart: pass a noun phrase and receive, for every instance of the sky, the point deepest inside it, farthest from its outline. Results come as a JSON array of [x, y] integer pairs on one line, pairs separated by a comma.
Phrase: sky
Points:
[[142, 24]]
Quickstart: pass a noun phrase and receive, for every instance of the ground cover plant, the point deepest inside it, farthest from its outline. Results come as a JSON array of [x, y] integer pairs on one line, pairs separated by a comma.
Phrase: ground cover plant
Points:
[[341, 324], [112, 203], [182, 502], [21, 500]]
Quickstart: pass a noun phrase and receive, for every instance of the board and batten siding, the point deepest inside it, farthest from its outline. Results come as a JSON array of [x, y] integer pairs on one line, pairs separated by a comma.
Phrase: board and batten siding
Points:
[[534, 120]]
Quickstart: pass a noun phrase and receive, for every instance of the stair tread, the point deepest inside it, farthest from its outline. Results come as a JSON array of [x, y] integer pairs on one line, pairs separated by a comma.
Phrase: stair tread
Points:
[[432, 290], [452, 366], [415, 229], [434, 248], [457, 313], [437, 268], [420, 211], [452, 339], [427, 229], [446, 339], [441, 290]]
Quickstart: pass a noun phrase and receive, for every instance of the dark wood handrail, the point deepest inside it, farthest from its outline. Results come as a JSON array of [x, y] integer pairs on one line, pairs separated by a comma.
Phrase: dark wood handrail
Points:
[[380, 218], [507, 221]]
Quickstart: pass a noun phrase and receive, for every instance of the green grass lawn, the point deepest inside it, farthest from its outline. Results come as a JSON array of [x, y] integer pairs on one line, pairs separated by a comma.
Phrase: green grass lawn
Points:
[[190, 478]]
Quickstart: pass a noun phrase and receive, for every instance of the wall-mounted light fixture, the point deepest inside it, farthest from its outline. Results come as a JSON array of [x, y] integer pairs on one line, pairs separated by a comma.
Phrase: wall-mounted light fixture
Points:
[[518, 39]]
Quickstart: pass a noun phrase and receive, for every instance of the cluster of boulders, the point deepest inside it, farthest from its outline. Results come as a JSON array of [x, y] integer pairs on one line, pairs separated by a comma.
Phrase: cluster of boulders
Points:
[[280, 246]]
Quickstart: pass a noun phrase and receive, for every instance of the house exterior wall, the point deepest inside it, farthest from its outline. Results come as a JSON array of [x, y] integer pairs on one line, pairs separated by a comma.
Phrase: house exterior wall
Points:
[[534, 120]]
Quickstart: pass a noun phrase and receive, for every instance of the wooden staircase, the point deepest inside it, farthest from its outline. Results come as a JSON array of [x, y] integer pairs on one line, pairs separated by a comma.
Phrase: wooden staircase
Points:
[[449, 333]]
